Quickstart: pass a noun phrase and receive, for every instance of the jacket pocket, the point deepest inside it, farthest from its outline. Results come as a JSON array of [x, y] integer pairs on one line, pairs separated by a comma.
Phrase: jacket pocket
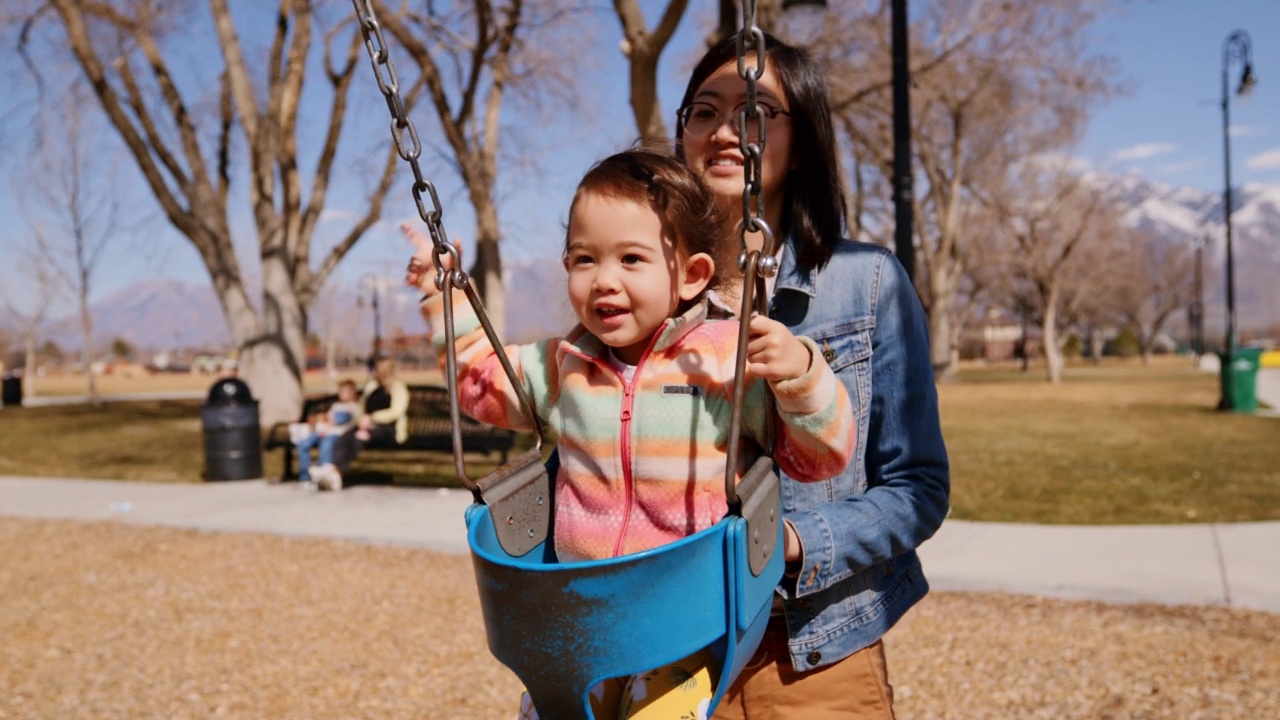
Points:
[[845, 343]]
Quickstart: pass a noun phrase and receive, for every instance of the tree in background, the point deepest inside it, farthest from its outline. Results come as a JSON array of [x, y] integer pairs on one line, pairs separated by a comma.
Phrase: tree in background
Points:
[[29, 316], [468, 57], [194, 120], [1159, 280], [643, 48], [992, 82], [122, 349], [78, 211], [1060, 233]]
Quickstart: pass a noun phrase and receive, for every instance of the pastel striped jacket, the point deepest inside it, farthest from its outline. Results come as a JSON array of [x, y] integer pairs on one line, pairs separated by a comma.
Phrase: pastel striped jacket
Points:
[[642, 463]]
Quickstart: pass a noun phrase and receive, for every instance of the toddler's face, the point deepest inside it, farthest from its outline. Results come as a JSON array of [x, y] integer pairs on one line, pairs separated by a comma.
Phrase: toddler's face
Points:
[[624, 273], [346, 393]]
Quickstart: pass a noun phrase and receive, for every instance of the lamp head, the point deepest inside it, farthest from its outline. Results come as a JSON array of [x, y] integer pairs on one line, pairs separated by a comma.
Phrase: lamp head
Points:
[[1247, 80]]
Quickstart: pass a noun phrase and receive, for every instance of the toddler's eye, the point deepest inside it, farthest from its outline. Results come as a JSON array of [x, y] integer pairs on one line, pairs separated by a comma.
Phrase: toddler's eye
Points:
[[631, 259], [581, 260]]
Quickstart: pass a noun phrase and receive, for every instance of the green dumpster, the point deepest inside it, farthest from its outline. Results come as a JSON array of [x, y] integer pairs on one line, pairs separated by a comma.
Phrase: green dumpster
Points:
[[1240, 380]]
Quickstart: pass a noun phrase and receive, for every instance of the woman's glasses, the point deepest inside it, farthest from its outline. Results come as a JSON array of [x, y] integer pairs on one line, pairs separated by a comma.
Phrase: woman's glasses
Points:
[[704, 118]]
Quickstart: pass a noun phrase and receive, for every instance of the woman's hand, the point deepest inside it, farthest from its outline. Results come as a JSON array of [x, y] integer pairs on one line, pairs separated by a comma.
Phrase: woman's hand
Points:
[[773, 353]]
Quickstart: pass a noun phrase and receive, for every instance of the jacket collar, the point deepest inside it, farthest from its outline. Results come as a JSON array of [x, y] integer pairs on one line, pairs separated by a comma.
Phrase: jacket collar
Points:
[[791, 277], [582, 343]]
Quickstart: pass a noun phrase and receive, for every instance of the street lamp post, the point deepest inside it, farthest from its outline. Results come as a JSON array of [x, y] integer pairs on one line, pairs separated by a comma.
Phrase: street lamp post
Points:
[[904, 245], [1236, 47], [372, 281]]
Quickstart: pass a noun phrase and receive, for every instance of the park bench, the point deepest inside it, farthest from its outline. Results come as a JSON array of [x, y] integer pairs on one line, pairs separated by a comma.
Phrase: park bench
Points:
[[429, 429]]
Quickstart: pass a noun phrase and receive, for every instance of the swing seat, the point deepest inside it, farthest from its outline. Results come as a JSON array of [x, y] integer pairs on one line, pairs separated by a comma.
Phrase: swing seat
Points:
[[563, 628]]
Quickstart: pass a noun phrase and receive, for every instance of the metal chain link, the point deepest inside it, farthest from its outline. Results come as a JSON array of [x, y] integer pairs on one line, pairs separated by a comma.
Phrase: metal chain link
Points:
[[752, 39], [405, 137], [402, 132], [754, 264]]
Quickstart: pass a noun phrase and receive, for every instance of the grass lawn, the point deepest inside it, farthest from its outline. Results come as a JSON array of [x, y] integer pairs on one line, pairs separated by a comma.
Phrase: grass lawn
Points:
[[1119, 443]]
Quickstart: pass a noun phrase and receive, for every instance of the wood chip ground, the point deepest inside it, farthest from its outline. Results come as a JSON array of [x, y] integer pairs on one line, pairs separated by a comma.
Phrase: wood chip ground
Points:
[[109, 620]]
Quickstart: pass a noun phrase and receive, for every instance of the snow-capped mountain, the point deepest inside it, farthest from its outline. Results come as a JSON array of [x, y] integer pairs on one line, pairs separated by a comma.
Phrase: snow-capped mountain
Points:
[[1187, 215]]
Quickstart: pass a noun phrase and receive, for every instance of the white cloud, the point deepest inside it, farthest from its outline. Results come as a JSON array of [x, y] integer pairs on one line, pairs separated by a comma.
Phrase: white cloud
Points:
[[1266, 160], [1247, 130], [1145, 150], [336, 214], [1174, 168]]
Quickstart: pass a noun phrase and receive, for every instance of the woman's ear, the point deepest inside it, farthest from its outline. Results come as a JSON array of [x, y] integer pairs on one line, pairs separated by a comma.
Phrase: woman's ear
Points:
[[698, 270]]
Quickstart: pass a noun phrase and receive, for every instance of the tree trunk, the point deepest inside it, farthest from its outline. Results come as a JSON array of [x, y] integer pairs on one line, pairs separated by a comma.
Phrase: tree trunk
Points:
[[944, 369], [29, 366], [941, 332], [1049, 328], [486, 272], [86, 327], [644, 99], [1095, 345], [273, 350]]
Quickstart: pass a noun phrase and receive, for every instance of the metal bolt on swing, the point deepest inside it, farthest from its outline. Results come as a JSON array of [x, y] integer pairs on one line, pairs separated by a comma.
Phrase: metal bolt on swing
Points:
[[564, 627]]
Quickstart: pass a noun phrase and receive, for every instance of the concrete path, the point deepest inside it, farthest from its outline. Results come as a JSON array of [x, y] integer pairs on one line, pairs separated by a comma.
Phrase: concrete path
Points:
[[1268, 388], [1233, 564]]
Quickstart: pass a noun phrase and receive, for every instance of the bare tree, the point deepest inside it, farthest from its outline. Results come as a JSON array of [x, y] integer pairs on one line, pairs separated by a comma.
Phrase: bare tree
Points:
[[642, 48], [71, 188], [465, 56], [29, 316], [990, 84], [1062, 232], [186, 139], [1159, 278]]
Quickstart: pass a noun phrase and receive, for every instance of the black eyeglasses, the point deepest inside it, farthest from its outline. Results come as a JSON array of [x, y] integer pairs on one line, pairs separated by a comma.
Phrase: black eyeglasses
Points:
[[704, 118]]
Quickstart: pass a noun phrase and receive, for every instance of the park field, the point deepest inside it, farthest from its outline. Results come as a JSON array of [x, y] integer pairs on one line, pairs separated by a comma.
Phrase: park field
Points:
[[1115, 443]]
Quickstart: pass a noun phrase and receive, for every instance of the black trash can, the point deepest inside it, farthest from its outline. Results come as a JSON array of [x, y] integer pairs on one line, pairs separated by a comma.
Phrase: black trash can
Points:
[[232, 438], [11, 390]]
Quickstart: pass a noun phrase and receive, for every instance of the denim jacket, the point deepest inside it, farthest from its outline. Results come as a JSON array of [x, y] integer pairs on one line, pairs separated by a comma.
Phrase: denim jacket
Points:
[[859, 530]]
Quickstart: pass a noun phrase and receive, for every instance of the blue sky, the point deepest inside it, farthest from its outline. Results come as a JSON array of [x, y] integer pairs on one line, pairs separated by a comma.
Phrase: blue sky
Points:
[[1169, 129]]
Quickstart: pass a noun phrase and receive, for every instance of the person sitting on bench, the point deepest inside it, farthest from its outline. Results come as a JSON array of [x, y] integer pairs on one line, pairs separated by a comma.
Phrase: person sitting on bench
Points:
[[384, 417]]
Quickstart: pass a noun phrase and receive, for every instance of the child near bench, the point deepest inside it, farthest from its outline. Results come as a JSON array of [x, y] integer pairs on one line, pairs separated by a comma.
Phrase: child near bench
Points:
[[323, 431]]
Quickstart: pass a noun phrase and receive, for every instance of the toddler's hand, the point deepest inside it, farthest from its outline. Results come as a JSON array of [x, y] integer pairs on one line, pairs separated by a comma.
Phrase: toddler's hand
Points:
[[773, 353], [421, 270]]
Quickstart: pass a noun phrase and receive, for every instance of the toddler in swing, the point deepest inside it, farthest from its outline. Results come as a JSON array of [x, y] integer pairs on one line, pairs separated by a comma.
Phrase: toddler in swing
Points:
[[638, 396]]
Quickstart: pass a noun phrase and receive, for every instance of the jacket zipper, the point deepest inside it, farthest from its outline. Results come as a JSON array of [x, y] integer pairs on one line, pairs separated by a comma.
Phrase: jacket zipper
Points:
[[628, 399]]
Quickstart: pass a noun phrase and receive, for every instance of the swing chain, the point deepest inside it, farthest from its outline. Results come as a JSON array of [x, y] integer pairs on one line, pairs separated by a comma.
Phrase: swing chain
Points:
[[752, 39], [405, 137]]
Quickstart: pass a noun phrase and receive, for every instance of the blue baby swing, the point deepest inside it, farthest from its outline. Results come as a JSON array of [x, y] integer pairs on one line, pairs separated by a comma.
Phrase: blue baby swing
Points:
[[564, 627]]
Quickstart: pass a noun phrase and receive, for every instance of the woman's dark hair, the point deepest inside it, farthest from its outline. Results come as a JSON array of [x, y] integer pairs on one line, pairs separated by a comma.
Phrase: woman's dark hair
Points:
[[689, 213], [813, 206]]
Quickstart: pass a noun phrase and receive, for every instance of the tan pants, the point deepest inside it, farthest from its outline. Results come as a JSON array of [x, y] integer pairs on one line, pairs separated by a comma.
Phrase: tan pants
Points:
[[856, 688]]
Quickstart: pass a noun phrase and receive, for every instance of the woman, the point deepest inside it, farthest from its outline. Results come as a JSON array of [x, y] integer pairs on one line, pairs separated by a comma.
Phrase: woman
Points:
[[850, 541], [384, 406]]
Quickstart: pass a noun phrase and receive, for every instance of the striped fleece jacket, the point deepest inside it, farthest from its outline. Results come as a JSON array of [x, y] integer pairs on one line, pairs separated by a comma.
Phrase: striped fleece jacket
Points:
[[642, 463]]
